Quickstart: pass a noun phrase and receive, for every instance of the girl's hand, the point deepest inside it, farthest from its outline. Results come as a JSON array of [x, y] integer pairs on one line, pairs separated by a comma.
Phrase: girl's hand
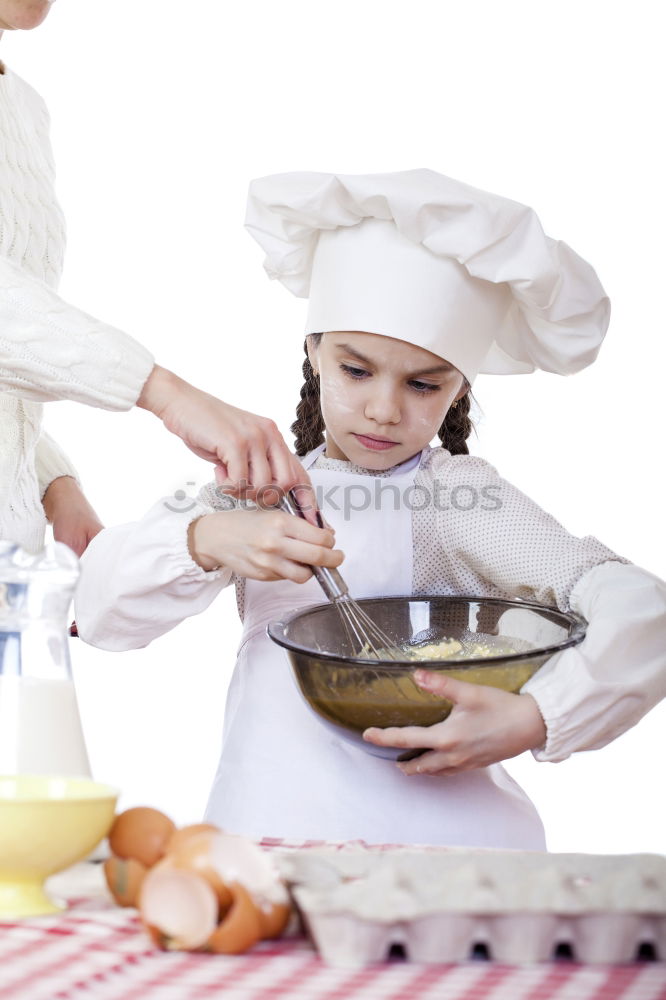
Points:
[[262, 544], [249, 452], [485, 726], [74, 521]]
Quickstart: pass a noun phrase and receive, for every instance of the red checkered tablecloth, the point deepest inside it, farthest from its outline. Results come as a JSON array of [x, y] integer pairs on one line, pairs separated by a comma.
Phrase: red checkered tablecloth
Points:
[[97, 951]]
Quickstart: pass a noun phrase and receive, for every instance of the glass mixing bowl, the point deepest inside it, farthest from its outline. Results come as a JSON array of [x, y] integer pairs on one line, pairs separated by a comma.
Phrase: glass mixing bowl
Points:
[[349, 693]]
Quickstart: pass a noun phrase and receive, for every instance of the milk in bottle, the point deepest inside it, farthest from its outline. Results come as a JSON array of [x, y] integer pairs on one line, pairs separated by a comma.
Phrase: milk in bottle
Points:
[[40, 726]]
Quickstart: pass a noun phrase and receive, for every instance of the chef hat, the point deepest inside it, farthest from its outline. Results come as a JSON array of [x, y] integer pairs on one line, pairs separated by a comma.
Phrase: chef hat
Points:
[[467, 275]]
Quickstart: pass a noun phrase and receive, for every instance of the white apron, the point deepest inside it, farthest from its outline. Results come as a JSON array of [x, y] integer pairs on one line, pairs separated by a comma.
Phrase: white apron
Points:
[[282, 773]]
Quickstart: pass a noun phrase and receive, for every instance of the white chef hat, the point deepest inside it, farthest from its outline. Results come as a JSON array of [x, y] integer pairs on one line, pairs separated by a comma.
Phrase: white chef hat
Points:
[[415, 255]]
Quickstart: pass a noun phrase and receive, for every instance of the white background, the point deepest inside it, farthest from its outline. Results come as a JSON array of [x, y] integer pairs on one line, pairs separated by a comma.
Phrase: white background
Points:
[[161, 113]]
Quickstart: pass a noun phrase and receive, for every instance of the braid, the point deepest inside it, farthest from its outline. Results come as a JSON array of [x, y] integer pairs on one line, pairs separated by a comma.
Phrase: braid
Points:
[[457, 427], [308, 427]]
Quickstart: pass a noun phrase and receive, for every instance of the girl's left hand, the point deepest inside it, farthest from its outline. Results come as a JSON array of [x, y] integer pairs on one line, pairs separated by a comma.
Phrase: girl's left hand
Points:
[[74, 521], [485, 726]]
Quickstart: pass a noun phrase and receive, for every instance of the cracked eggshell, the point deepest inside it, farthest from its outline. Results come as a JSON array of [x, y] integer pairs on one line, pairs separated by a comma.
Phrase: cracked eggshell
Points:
[[241, 928], [273, 918], [194, 852], [178, 908], [237, 859]]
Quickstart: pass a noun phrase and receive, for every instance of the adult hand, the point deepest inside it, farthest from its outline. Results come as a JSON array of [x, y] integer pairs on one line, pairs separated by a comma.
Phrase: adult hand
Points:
[[262, 544], [74, 521], [485, 726], [248, 451]]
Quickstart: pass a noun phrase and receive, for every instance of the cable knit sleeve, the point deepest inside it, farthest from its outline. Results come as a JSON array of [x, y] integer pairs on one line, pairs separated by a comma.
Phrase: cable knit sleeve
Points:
[[50, 350], [51, 462], [139, 580]]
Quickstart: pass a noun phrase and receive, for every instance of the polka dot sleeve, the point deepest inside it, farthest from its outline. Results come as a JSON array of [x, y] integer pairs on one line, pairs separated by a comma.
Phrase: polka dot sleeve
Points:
[[478, 534]]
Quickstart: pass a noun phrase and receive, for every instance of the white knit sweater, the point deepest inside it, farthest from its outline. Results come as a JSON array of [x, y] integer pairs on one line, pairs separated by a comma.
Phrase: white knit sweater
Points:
[[48, 349]]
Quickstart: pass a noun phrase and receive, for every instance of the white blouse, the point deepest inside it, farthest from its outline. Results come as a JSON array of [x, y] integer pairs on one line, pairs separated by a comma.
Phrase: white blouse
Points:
[[479, 535]]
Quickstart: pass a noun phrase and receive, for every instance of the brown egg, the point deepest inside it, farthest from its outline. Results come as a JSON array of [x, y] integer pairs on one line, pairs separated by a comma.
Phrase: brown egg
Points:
[[192, 852], [241, 928], [124, 878], [178, 908], [141, 833], [273, 918]]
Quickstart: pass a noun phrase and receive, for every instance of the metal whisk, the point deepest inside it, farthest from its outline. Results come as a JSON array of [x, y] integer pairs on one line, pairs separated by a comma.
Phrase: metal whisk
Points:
[[365, 637]]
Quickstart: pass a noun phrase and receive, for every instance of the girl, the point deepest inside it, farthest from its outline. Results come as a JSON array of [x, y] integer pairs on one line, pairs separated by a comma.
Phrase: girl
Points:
[[415, 283]]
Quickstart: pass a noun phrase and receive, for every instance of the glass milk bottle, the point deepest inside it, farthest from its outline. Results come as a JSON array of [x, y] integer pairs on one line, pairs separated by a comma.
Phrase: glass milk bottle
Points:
[[40, 727]]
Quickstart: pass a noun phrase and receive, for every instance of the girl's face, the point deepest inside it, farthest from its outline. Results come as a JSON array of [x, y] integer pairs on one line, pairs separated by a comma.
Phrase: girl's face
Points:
[[382, 400], [23, 14]]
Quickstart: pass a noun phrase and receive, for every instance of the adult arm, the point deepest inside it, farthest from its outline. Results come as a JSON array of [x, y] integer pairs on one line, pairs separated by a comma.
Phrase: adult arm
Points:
[[51, 463], [50, 350], [74, 521]]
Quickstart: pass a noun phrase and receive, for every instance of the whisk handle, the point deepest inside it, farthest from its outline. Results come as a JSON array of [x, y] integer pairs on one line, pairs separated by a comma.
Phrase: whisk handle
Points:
[[329, 580], [289, 503]]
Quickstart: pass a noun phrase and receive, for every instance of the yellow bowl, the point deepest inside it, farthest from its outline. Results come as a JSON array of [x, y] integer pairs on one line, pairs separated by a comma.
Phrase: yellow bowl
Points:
[[47, 823]]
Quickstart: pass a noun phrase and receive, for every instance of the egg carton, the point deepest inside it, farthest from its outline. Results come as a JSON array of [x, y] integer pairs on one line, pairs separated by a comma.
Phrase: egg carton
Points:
[[440, 906]]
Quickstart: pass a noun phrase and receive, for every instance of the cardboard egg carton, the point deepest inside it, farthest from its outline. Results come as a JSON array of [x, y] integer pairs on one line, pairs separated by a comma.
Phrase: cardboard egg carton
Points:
[[441, 904]]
